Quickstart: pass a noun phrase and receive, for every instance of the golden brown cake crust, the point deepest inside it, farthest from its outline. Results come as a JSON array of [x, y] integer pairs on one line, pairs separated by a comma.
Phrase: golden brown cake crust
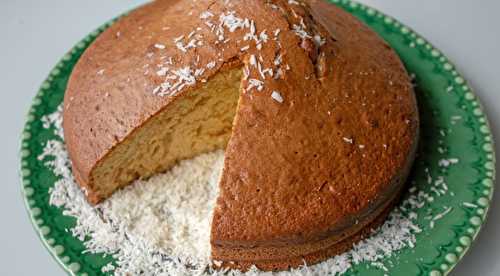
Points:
[[313, 257], [309, 168]]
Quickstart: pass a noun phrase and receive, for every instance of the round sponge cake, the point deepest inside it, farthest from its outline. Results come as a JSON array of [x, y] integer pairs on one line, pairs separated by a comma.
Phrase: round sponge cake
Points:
[[316, 113]]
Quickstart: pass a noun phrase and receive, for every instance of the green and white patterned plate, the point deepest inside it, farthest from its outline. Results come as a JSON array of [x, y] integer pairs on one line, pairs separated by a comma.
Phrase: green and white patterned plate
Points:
[[454, 128]]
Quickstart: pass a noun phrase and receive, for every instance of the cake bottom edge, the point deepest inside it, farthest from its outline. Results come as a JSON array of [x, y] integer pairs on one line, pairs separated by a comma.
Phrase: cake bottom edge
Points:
[[312, 258]]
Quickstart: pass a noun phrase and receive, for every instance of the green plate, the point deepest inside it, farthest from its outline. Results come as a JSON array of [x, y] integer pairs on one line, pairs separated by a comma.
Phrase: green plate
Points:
[[453, 126]]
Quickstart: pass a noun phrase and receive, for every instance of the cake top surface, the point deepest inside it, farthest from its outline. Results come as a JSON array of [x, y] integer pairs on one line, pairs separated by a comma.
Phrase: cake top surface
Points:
[[326, 121]]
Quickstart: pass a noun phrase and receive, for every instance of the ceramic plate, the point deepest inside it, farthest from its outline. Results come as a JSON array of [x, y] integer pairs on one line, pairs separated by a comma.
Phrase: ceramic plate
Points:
[[454, 130]]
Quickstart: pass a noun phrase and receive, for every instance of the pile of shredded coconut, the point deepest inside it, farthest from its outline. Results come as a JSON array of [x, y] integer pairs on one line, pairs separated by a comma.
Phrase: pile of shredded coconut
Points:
[[162, 225]]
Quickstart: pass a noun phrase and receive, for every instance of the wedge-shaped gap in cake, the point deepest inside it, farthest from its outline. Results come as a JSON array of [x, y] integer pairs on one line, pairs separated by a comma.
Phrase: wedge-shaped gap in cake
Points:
[[199, 122]]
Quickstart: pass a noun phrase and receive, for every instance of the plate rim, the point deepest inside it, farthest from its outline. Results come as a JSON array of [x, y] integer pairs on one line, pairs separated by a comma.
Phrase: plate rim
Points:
[[349, 5]]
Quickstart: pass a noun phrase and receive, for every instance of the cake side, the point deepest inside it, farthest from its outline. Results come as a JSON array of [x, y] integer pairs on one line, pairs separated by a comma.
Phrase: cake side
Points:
[[268, 259]]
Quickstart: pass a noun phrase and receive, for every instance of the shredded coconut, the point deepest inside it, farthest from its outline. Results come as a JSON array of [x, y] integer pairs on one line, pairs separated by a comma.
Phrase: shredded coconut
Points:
[[206, 14], [162, 72], [55, 120], [347, 140], [211, 65], [159, 46], [151, 225], [469, 205], [300, 31], [255, 83], [439, 216], [447, 162], [277, 96]]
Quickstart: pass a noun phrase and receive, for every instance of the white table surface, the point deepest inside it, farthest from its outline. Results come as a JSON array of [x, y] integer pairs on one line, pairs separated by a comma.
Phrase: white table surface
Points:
[[35, 34]]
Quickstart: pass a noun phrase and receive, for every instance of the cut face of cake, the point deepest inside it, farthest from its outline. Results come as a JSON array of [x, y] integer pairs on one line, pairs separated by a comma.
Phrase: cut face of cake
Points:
[[315, 112]]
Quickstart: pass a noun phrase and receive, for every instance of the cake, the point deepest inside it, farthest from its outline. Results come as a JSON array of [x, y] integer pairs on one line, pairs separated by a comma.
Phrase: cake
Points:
[[316, 114]]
